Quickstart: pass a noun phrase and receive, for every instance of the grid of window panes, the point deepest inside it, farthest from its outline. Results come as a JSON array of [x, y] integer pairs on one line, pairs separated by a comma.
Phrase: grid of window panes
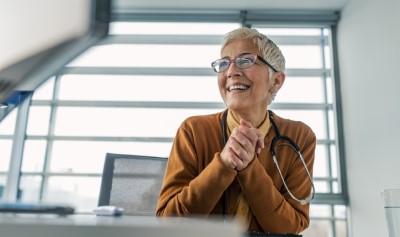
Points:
[[130, 93]]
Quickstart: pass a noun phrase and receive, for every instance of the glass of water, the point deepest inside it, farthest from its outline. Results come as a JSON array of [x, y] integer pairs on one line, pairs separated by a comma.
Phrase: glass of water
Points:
[[391, 198]]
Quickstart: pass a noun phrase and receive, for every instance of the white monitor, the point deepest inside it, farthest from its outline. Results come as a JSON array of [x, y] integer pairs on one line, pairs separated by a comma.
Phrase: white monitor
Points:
[[39, 37]]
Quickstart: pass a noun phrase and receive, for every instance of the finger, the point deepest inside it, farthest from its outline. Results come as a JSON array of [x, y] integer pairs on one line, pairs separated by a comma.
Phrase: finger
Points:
[[235, 160], [255, 137], [237, 148], [243, 141], [260, 139], [258, 150], [250, 133], [229, 158], [260, 144], [225, 157]]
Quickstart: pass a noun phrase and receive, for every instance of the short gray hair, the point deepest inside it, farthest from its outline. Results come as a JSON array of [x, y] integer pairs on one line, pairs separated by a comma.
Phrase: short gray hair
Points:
[[268, 49]]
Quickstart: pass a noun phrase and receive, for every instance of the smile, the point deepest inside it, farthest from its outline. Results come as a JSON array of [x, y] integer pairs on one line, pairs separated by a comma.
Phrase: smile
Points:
[[237, 87]]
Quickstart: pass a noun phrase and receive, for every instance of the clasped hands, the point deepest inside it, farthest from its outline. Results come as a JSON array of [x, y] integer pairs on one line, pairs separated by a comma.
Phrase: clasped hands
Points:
[[243, 144]]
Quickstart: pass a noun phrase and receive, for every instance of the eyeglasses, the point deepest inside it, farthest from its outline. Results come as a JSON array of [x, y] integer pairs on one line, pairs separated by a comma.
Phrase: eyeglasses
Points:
[[243, 61]]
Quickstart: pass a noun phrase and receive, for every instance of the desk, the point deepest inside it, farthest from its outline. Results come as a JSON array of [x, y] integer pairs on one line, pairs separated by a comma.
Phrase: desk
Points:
[[96, 226]]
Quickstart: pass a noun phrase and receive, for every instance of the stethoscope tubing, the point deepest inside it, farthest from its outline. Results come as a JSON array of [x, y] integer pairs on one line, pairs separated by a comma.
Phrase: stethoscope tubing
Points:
[[293, 145]]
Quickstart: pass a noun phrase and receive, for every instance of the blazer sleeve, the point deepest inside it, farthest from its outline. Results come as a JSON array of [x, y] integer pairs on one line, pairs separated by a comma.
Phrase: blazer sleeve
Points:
[[186, 189], [276, 211]]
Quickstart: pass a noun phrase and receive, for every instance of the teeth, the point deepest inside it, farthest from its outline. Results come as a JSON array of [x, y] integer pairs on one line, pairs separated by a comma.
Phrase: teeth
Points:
[[238, 87]]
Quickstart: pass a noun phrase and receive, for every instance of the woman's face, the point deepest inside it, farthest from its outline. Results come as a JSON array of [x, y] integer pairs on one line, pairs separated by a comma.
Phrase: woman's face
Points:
[[244, 89]]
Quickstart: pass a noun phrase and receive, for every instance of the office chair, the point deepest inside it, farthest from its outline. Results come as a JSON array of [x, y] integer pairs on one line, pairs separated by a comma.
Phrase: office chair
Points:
[[132, 182]]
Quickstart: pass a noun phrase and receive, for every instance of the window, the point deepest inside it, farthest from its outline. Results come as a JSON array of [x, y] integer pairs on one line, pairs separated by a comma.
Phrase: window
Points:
[[112, 99]]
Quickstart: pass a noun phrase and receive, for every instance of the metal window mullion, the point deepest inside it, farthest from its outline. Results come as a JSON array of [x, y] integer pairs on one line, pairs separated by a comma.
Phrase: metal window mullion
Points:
[[173, 71], [6, 137], [162, 39], [126, 139], [174, 16], [104, 138], [139, 71], [324, 178], [316, 18], [286, 18], [173, 104], [333, 221], [327, 147], [326, 111], [49, 174], [14, 170], [326, 218], [340, 148], [199, 39], [329, 199], [49, 144]]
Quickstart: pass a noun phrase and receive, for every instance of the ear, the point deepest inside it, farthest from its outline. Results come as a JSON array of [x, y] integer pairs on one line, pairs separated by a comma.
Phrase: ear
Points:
[[278, 80]]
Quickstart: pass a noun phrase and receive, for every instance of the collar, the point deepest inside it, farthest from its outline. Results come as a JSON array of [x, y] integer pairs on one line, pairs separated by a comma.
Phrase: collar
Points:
[[233, 123]]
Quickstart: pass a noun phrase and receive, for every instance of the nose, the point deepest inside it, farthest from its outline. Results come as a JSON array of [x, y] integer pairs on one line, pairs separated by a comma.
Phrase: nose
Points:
[[233, 71]]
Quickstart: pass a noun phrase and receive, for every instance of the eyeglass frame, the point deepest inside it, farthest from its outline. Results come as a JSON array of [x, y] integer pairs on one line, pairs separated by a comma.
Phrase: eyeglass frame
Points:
[[234, 60]]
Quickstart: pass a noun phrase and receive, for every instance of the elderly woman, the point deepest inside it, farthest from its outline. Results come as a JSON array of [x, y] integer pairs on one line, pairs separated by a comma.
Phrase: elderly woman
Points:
[[227, 163]]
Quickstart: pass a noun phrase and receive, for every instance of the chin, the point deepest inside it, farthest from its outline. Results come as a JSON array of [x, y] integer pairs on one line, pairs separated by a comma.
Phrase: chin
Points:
[[237, 106]]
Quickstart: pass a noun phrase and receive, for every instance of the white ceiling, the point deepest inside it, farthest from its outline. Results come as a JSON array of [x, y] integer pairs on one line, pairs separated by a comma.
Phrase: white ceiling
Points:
[[128, 5]]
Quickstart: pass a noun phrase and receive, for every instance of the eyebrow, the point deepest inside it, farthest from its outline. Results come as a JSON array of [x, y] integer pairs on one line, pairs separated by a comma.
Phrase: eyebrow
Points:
[[241, 54]]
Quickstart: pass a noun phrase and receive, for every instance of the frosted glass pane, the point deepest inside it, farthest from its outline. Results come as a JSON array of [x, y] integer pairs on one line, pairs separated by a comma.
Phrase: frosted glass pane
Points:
[[30, 187], [290, 31], [313, 118], [7, 125], [38, 120], [45, 91], [2, 183], [88, 121], [5, 154], [334, 161], [341, 228], [317, 210], [340, 211], [34, 152], [301, 90], [332, 125], [328, 57], [321, 187], [321, 162], [304, 56], [79, 192], [139, 88], [88, 156], [330, 89], [318, 228], [145, 55]]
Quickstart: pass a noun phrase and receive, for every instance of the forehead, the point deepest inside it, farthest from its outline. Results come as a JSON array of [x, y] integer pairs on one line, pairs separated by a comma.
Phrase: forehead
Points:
[[237, 47]]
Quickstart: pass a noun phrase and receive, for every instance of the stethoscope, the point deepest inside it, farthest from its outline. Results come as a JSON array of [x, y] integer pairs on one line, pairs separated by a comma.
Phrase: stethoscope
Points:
[[274, 144]]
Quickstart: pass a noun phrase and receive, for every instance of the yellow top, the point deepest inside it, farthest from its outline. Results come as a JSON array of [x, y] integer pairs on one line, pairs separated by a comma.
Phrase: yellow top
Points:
[[243, 213]]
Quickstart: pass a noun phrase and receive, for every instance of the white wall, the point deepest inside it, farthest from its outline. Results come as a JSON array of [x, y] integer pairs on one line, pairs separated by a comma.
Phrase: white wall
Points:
[[369, 59]]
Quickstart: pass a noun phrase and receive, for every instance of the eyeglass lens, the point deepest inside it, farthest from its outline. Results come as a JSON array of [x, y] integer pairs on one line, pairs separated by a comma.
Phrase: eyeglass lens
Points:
[[243, 61]]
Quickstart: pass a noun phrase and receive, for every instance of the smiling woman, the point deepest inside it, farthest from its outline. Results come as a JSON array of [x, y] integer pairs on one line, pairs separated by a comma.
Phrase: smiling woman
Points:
[[205, 176]]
